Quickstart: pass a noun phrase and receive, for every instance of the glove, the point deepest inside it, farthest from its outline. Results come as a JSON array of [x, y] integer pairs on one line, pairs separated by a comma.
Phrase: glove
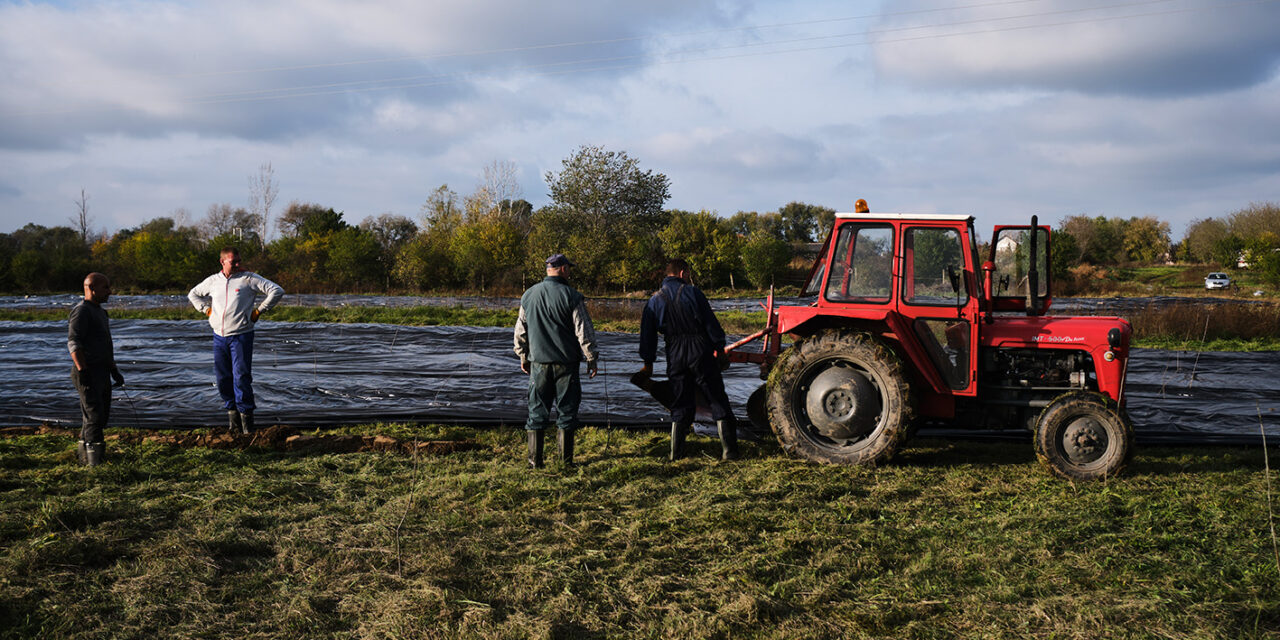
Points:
[[723, 358], [253, 317], [117, 377], [209, 312]]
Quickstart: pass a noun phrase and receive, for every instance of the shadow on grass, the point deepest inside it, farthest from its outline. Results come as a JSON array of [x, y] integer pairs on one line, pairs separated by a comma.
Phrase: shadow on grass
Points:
[[1170, 460], [934, 453]]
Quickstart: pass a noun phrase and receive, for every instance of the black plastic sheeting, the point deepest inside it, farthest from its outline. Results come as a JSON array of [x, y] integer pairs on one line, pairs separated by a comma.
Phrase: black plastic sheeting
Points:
[[1061, 306], [340, 300], [316, 373], [325, 374]]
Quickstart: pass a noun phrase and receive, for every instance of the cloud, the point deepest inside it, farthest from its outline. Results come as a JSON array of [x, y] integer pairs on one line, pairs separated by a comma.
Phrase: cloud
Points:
[[751, 154], [282, 68], [1159, 49]]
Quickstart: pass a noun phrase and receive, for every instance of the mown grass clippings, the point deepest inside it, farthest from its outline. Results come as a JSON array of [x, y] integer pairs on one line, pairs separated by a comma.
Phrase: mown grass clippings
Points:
[[953, 539]]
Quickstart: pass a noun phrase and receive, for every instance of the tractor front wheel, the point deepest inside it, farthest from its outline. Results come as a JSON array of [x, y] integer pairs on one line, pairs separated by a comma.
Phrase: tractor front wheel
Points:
[[840, 397], [1084, 436]]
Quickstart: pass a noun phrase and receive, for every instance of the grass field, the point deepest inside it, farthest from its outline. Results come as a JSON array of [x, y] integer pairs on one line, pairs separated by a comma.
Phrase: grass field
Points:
[[953, 539]]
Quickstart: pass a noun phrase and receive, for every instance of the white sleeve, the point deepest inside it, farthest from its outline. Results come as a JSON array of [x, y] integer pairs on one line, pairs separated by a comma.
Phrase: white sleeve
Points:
[[199, 296], [586, 332], [273, 291], [522, 337]]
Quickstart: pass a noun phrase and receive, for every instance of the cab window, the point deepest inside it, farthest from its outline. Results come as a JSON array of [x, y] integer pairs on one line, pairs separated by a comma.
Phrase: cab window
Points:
[[862, 264], [933, 272]]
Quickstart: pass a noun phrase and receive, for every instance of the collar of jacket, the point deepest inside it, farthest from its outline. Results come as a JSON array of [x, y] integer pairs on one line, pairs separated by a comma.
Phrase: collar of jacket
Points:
[[560, 279]]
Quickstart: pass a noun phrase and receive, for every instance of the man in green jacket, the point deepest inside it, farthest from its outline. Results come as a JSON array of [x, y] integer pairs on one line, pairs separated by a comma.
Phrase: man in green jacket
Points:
[[553, 334]]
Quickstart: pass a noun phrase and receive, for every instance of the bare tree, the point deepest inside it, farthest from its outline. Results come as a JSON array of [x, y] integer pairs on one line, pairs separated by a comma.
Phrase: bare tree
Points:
[[222, 220], [263, 190], [499, 184], [181, 216], [81, 220]]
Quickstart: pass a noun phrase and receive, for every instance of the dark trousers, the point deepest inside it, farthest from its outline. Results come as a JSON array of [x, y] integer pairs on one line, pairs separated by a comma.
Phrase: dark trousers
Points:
[[94, 387], [232, 362], [553, 385], [690, 370]]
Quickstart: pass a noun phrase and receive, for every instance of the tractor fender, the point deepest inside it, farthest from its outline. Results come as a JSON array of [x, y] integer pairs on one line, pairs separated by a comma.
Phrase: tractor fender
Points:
[[805, 321]]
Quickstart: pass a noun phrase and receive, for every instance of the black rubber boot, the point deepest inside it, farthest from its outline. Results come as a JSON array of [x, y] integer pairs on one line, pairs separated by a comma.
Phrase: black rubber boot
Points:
[[233, 421], [564, 446], [95, 453], [678, 434], [728, 439], [535, 449], [246, 423], [82, 452]]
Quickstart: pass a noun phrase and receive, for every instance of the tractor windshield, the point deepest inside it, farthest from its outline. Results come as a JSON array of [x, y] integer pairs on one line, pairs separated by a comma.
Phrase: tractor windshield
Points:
[[1017, 271], [862, 264]]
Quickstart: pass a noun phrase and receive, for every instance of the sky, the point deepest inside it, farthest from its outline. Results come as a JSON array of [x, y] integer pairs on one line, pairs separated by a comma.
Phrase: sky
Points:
[[1000, 109]]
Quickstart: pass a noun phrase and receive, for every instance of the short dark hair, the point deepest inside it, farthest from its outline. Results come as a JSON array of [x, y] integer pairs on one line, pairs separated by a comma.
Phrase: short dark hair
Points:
[[676, 265], [229, 249]]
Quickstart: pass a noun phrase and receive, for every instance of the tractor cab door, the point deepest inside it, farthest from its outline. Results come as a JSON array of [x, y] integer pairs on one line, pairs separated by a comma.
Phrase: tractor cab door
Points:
[[940, 301], [813, 284], [1020, 279]]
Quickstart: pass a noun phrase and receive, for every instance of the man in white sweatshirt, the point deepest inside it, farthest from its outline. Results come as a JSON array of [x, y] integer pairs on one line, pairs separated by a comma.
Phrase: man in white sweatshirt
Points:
[[227, 297]]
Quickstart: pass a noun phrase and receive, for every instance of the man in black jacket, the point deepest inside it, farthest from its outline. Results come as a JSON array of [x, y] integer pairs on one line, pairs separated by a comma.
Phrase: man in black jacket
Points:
[[89, 341], [695, 353]]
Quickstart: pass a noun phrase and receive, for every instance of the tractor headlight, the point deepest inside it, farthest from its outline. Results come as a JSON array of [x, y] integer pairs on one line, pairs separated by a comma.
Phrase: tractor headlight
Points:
[[1113, 338], [1109, 356]]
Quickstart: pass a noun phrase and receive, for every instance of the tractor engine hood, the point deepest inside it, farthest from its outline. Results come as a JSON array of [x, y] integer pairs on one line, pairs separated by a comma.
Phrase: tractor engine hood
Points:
[[1093, 334]]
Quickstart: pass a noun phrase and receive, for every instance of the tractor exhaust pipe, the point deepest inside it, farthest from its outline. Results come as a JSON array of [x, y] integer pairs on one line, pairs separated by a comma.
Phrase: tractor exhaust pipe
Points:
[[1033, 274]]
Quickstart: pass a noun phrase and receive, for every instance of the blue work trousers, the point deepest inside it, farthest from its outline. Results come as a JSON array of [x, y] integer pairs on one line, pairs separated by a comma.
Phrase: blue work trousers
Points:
[[233, 363], [692, 368], [553, 384]]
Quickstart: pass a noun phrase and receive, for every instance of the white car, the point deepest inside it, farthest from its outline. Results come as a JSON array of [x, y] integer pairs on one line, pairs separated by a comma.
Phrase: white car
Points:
[[1217, 280]]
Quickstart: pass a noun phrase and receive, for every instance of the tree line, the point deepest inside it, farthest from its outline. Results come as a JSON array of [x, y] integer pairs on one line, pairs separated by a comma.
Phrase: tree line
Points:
[[606, 213], [1248, 237]]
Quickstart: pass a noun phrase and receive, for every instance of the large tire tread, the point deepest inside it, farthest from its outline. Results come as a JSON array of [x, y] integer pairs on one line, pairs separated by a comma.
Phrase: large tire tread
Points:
[[1069, 406], [867, 352]]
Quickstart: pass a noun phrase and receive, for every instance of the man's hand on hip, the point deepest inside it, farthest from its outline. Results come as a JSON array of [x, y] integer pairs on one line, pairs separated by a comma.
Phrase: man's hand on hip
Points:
[[592, 367]]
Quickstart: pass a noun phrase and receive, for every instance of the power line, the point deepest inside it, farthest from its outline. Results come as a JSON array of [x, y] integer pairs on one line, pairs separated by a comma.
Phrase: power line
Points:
[[615, 63], [603, 64], [581, 43], [614, 59]]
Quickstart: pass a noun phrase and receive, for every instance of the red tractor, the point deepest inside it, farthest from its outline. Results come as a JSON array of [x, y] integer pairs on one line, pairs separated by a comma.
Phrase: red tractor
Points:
[[910, 326]]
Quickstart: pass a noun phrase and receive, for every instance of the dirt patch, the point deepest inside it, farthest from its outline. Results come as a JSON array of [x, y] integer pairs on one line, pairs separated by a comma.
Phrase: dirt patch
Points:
[[279, 438]]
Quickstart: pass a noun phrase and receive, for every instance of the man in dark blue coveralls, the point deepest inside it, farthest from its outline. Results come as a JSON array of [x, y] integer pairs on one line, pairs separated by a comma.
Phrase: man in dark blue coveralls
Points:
[[695, 352]]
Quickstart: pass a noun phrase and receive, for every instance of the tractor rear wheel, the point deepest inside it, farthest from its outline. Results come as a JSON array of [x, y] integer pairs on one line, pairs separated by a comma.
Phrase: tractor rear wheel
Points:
[[840, 397], [1084, 436]]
